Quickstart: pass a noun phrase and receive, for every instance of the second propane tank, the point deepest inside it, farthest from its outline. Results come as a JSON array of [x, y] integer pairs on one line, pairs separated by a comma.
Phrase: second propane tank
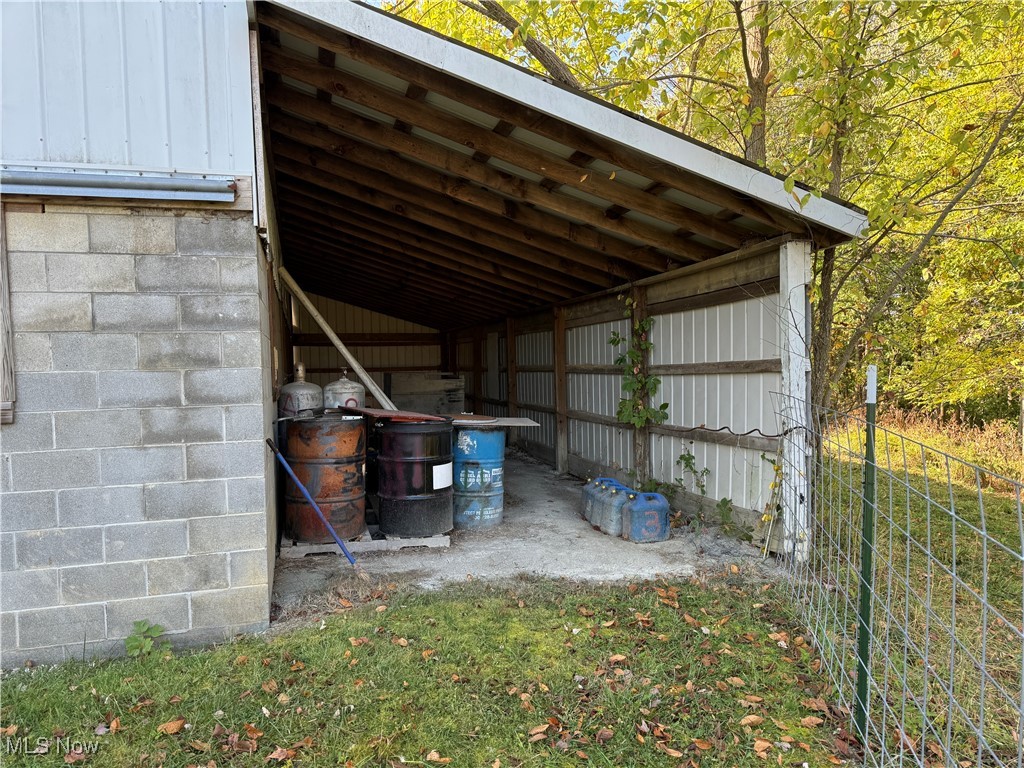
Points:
[[344, 393]]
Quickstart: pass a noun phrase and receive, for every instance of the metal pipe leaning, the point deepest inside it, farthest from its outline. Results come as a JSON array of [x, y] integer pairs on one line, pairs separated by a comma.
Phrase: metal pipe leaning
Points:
[[368, 382]]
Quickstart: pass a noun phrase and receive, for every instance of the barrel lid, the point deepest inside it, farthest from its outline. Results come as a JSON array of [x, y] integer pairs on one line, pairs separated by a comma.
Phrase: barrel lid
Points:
[[471, 419]]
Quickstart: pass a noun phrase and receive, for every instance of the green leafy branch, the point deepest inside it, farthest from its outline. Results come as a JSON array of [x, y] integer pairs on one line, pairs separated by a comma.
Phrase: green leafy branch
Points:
[[638, 385]]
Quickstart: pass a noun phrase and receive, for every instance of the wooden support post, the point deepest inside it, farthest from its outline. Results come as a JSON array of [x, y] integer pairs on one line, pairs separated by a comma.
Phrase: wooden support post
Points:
[[512, 375], [561, 396], [641, 435], [794, 331]]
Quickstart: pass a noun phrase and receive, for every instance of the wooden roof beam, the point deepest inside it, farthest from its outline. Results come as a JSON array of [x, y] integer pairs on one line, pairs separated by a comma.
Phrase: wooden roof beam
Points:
[[467, 167], [441, 284], [505, 109], [433, 182], [369, 239], [393, 285], [417, 235], [518, 224], [429, 118], [459, 219]]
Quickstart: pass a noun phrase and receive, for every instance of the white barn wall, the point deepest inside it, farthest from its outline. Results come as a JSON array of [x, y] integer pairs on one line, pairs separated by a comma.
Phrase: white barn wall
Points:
[[537, 388], [598, 394], [90, 84], [738, 331]]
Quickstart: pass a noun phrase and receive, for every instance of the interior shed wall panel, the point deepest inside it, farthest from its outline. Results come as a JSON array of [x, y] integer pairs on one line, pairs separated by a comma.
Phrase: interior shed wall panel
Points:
[[156, 86], [326, 362]]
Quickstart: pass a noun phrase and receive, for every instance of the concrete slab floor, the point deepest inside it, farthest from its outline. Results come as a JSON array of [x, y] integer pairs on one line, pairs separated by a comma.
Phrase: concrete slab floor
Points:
[[542, 535]]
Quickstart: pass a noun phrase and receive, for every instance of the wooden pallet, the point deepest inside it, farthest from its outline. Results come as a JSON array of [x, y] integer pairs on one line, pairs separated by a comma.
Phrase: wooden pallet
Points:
[[295, 551]]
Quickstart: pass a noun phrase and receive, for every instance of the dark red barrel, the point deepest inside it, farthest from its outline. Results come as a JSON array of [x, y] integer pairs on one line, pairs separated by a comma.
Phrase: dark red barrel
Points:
[[414, 470], [327, 454]]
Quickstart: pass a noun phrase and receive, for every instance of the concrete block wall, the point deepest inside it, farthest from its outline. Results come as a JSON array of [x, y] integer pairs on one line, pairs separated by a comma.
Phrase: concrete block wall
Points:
[[134, 479]]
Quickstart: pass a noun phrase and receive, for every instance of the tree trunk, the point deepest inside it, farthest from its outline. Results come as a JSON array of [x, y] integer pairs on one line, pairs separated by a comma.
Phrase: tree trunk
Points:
[[753, 28]]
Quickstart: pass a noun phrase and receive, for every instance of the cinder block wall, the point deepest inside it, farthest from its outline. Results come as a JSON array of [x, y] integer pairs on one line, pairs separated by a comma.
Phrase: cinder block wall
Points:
[[133, 481]]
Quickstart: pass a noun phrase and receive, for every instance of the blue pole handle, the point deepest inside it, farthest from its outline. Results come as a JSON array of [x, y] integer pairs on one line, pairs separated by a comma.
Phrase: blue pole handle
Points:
[[312, 503]]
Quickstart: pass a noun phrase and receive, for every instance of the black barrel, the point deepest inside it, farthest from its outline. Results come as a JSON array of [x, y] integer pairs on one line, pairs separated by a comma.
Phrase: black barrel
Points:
[[414, 477]]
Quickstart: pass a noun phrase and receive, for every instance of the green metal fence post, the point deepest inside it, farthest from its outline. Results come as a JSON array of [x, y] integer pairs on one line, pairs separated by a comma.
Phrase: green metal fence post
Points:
[[867, 549]]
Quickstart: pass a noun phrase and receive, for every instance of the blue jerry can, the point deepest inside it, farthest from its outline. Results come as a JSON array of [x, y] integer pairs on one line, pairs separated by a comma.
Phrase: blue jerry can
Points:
[[611, 520], [645, 518], [591, 495]]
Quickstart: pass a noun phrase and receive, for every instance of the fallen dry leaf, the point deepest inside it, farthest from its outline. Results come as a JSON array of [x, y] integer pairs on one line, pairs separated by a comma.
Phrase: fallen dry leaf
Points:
[[171, 727], [703, 744], [199, 746], [603, 735], [736, 682], [75, 756], [668, 750], [539, 729], [811, 722], [616, 658], [753, 699], [435, 757], [357, 641], [270, 686], [10, 730], [240, 660], [428, 653], [762, 745], [252, 731], [115, 725], [752, 720], [297, 666], [497, 762], [401, 641], [280, 754]]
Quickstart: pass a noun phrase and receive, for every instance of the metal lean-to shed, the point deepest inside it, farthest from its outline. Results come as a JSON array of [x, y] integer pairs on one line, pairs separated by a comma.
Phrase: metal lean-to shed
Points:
[[423, 179], [449, 210]]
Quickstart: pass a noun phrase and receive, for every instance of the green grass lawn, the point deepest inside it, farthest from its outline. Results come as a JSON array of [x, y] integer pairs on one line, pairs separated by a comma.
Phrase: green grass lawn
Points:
[[537, 673]]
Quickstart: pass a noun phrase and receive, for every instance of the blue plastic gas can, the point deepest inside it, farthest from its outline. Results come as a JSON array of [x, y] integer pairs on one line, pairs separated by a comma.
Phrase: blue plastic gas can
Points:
[[611, 519], [645, 518], [591, 495]]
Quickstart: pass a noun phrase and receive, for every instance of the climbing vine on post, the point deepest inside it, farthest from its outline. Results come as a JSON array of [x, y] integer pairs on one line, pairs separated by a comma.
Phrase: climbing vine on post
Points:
[[638, 385]]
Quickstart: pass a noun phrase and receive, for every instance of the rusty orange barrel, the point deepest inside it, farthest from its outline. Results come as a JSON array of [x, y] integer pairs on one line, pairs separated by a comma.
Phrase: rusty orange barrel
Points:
[[327, 454]]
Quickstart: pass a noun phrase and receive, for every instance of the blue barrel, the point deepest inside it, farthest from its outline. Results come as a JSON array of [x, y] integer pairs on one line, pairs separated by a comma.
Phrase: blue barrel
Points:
[[645, 518], [479, 477]]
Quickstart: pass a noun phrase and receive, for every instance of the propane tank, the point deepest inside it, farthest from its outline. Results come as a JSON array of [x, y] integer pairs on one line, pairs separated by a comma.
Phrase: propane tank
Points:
[[344, 393], [300, 397]]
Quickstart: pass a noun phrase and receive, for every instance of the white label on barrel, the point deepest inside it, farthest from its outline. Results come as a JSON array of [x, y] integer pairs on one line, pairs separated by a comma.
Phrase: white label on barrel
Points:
[[442, 476]]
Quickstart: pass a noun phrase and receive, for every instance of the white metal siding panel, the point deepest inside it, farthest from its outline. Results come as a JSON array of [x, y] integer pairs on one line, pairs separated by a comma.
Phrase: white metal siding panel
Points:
[[146, 77], [535, 348], [743, 330], [105, 88], [153, 85], [594, 393], [738, 474], [608, 446], [62, 64], [588, 344], [542, 435], [537, 388]]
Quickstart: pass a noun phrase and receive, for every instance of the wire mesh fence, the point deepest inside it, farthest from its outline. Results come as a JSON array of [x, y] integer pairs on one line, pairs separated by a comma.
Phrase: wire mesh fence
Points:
[[943, 672]]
